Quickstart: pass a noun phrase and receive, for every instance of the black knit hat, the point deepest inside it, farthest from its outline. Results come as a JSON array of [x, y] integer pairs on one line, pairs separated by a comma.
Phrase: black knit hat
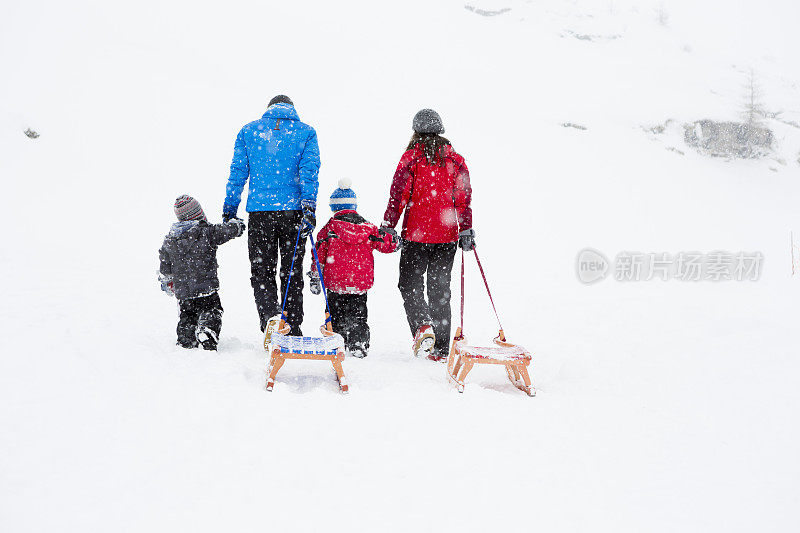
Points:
[[281, 99], [428, 121]]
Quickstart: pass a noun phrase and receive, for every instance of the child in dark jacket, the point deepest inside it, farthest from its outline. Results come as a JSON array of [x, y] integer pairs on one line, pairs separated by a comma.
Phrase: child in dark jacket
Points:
[[189, 271], [344, 247]]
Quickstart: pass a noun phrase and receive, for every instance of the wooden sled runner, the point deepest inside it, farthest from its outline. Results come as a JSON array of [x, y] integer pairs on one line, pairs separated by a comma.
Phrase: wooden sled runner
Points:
[[282, 346], [463, 356]]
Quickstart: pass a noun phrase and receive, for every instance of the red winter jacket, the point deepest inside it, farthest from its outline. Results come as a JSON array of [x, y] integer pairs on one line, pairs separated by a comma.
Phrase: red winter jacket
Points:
[[344, 246], [436, 199]]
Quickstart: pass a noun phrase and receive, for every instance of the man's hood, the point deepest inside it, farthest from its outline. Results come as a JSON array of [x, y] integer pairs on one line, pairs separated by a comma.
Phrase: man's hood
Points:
[[282, 111]]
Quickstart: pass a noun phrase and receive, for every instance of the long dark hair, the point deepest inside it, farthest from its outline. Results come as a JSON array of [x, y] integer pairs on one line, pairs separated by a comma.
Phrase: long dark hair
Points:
[[432, 146]]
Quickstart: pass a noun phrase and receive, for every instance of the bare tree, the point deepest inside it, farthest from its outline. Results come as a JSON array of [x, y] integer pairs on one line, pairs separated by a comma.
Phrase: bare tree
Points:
[[753, 107]]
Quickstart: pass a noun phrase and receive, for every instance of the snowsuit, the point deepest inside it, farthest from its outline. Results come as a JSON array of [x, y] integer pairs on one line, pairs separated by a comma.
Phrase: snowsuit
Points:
[[188, 260], [279, 155], [344, 246], [436, 198]]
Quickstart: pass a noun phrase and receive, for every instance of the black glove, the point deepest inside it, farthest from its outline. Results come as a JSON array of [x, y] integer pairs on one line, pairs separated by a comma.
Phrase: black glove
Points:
[[309, 220], [239, 225], [466, 239], [227, 216], [313, 282], [391, 231]]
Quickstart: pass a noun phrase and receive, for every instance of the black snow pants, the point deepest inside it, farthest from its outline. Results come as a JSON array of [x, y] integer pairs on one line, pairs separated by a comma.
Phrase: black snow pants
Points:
[[349, 318], [268, 233], [436, 260], [205, 311]]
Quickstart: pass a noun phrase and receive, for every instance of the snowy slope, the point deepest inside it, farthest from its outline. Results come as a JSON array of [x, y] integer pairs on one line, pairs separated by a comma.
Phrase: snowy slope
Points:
[[662, 406]]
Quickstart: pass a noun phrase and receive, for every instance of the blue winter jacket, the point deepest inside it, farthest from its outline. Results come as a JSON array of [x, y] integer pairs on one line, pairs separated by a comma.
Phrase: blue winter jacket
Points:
[[280, 156]]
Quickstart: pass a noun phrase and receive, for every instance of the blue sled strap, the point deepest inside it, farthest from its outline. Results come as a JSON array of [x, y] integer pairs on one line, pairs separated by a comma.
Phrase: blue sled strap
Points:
[[319, 271]]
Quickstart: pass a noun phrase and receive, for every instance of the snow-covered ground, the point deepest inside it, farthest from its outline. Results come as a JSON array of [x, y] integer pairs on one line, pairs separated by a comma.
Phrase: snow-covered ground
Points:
[[662, 406]]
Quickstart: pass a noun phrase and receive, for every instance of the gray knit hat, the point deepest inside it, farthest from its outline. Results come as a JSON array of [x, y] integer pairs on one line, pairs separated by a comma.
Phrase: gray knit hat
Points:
[[428, 121], [280, 99], [187, 208]]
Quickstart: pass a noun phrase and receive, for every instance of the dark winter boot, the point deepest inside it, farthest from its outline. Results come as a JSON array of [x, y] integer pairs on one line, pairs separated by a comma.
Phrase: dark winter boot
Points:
[[358, 350], [207, 338]]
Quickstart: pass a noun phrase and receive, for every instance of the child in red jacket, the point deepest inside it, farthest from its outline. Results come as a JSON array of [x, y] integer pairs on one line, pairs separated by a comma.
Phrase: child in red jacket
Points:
[[345, 246]]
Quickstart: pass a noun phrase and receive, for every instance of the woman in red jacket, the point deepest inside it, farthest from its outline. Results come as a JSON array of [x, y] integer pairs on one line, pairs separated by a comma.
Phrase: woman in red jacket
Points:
[[431, 185]]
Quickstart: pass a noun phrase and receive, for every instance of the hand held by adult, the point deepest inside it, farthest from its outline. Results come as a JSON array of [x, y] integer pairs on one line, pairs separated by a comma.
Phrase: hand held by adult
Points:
[[390, 231], [396, 240], [239, 223]]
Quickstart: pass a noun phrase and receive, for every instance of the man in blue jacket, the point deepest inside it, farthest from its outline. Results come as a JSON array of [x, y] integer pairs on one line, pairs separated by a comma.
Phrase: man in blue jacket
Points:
[[280, 157]]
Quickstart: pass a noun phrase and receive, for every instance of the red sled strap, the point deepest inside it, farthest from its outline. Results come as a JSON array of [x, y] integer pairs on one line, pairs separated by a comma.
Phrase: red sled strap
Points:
[[488, 291], [461, 335]]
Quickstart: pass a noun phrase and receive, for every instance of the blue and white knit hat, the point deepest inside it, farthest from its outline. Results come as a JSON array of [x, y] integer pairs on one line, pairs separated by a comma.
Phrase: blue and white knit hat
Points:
[[187, 208], [344, 197]]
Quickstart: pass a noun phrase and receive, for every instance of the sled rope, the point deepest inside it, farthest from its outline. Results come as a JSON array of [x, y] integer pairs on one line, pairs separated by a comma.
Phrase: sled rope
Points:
[[489, 292], [463, 356], [462, 294], [291, 271], [480, 266]]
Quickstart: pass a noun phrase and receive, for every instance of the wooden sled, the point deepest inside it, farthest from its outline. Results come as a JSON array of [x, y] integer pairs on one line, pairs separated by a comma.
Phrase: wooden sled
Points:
[[329, 347], [515, 358], [463, 356]]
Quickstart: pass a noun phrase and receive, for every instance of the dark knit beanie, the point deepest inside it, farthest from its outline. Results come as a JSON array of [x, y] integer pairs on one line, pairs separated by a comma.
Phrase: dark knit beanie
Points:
[[280, 99], [187, 208], [428, 121]]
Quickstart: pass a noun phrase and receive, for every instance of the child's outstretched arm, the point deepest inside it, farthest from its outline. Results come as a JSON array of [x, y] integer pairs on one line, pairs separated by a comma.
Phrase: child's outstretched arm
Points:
[[222, 233]]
